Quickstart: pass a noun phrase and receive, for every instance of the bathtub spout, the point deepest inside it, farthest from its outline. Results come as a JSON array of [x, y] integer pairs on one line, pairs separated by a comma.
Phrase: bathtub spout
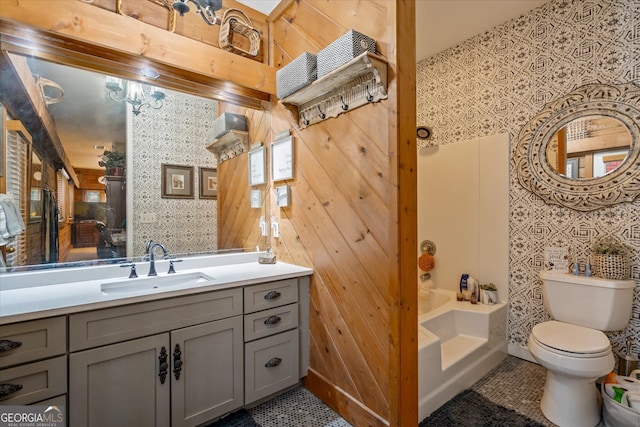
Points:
[[424, 277]]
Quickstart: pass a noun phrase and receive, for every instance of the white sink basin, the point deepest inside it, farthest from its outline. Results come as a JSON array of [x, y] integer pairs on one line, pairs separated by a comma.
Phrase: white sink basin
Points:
[[172, 281]]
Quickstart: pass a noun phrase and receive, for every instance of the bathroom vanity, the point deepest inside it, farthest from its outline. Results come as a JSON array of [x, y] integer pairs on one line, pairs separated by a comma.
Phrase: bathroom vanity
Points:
[[153, 356]]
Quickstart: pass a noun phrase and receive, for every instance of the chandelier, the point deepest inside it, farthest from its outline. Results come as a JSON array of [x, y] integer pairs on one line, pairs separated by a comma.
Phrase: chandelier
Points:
[[137, 94], [206, 9]]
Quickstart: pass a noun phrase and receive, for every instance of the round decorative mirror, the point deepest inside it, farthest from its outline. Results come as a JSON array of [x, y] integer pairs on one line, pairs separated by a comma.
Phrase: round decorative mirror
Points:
[[582, 151]]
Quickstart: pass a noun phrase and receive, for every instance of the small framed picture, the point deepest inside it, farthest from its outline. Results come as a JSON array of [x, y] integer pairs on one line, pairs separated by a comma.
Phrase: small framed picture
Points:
[[282, 159], [177, 182], [257, 174], [208, 183]]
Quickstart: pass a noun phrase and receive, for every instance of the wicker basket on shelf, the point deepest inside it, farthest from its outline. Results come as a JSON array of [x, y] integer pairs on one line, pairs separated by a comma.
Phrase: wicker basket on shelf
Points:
[[235, 22], [614, 267]]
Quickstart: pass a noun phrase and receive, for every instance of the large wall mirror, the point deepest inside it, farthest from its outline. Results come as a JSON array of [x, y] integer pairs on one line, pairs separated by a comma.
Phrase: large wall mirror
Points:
[[111, 215], [582, 151]]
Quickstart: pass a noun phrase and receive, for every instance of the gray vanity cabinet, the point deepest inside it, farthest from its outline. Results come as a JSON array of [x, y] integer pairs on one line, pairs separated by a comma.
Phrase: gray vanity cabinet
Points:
[[175, 362], [125, 385], [33, 362], [210, 382], [185, 374], [119, 385]]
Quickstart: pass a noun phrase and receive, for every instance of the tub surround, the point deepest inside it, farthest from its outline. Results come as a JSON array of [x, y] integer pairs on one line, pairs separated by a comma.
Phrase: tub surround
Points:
[[45, 293], [458, 343]]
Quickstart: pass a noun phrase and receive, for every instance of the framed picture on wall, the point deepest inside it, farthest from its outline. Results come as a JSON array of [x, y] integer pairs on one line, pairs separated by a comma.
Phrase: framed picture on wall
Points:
[[257, 174], [208, 183], [282, 159], [177, 182]]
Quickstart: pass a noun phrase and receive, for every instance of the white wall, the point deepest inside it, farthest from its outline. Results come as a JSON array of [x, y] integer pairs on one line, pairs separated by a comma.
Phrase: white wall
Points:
[[463, 206]]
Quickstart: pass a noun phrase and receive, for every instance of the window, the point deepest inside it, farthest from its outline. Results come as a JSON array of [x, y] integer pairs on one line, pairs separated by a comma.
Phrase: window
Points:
[[63, 195]]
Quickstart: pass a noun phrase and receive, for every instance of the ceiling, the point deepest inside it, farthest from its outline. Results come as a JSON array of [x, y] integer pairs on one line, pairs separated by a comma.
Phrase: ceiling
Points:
[[441, 24]]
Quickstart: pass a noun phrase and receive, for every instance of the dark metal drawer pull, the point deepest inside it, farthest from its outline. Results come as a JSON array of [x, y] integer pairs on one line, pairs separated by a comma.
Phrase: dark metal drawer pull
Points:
[[164, 366], [272, 320], [272, 295], [8, 345], [177, 362], [7, 389], [273, 362]]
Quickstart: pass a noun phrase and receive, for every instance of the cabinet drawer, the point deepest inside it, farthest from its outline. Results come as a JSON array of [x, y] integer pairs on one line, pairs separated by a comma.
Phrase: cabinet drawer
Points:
[[272, 294], [38, 339], [270, 365], [39, 381], [111, 325], [270, 322]]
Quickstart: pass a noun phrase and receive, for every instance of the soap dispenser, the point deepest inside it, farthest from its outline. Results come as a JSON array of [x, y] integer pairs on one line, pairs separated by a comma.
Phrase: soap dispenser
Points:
[[267, 258]]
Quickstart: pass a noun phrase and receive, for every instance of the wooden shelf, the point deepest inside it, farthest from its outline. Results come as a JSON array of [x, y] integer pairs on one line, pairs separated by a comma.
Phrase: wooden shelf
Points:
[[359, 82], [229, 145]]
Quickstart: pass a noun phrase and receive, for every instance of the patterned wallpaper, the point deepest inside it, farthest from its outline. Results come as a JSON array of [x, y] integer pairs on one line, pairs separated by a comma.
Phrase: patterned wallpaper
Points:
[[496, 82], [175, 134]]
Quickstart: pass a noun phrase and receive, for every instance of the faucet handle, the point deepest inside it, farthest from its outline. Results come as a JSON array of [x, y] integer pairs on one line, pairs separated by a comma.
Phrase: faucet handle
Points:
[[132, 274], [171, 267]]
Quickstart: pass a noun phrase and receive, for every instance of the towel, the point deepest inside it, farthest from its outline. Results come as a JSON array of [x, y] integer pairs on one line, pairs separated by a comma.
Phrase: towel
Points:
[[13, 223]]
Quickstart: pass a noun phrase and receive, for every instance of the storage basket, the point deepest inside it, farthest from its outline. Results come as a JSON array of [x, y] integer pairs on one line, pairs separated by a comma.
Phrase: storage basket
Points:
[[614, 267], [297, 74], [343, 50], [226, 122], [616, 415], [235, 22]]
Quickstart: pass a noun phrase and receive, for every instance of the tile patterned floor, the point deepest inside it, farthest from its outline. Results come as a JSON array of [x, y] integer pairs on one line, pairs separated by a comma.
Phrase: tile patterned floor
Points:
[[516, 384]]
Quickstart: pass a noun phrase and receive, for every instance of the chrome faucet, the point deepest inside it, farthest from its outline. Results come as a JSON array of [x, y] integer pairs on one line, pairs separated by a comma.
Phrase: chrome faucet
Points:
[[151, 249]]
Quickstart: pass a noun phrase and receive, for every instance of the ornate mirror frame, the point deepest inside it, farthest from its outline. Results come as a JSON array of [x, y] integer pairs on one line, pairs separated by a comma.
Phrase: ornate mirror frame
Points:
[[534, 173]]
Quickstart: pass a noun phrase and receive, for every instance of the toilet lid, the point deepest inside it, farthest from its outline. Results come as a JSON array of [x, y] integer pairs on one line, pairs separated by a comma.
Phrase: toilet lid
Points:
[[571, 338]]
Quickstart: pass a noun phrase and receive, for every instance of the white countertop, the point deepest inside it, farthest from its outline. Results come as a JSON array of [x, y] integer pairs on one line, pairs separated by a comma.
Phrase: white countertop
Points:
[[45, 293]]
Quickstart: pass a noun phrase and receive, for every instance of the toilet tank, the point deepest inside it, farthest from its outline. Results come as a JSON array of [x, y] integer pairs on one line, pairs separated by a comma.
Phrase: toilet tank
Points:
[[592, 302]]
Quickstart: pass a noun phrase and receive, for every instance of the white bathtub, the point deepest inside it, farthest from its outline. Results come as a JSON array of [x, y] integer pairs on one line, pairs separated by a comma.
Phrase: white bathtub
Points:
[[458, 343]]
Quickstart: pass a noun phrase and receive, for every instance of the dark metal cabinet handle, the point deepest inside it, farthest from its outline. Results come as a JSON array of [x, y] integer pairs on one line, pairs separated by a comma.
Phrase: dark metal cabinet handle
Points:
[[8, 345], [272, 320], [273, 362], [164, 366], [7, 389], [272, 295], [177, 362]]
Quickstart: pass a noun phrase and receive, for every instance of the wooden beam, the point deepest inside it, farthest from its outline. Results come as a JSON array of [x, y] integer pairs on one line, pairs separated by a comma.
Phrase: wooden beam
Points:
[[107, 35], [21, 97]]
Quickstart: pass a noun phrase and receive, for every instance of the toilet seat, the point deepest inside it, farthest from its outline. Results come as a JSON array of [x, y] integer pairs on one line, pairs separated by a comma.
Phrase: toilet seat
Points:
[[571, 340]]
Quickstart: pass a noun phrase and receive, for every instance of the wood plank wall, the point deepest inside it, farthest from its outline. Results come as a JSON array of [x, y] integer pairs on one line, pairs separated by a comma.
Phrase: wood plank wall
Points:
[[238, 222], [352, 213], [344, 220]]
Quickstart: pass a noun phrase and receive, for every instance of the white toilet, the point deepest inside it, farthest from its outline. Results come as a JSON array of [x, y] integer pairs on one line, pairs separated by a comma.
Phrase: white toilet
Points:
[[572, 347]]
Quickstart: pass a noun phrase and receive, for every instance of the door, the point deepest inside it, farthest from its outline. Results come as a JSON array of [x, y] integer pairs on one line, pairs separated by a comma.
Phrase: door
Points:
[[206, 371], [121, 384]]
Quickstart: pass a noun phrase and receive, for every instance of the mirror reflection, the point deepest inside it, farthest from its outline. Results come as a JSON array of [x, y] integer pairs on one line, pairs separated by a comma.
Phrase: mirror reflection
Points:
[[589, 147], [115, 137], [35, 199]]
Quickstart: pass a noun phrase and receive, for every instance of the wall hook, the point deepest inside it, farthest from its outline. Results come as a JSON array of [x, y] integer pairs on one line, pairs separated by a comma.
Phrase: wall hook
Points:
[[345, 106], [322, 115], [304, 119], [369, 96]]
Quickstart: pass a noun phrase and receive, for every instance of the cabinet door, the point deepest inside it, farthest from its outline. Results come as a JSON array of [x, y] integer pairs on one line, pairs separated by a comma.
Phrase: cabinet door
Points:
[[209, 381], [120, 384]]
